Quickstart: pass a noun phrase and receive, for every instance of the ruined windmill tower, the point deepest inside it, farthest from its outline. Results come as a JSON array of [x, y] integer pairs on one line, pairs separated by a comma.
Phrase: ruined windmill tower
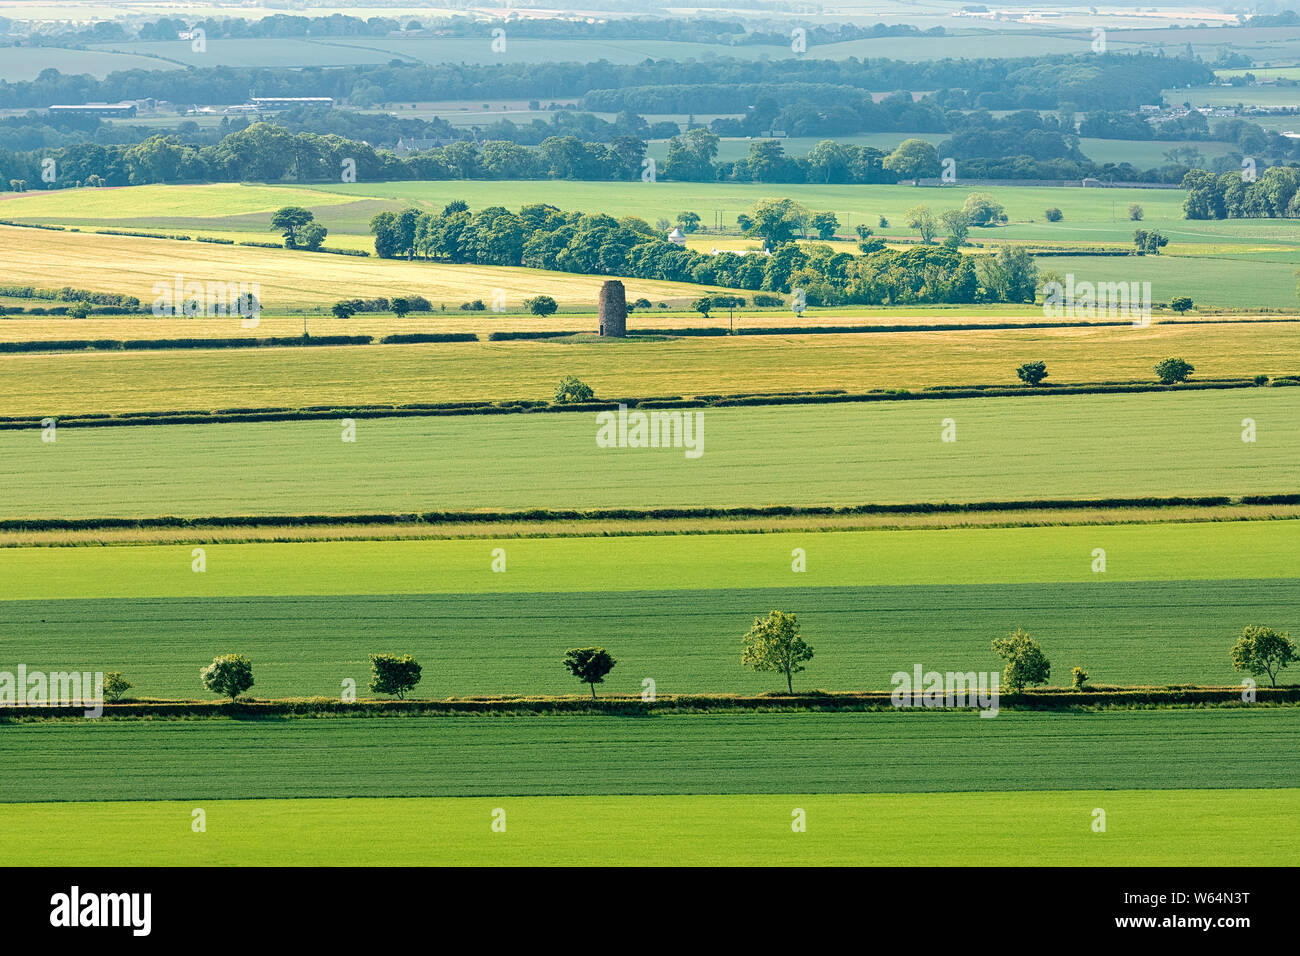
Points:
[[613, 309]]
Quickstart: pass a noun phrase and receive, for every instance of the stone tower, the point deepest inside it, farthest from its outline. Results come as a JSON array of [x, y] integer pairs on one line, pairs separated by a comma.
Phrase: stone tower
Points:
[[613, 309]]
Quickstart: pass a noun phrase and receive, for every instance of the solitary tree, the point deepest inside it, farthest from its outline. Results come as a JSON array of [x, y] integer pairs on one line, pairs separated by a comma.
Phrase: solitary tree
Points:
[[229, 675], [390, 674], [115, 685], [774, 644], [1181, 303], [589, 664], [288, 220], [1262, 650], [1053, 214], [702, 305], [1173, 370], [688, 221], [1026, 663], [1135, 212], [542, 305], [573, 389], [1031, 373]]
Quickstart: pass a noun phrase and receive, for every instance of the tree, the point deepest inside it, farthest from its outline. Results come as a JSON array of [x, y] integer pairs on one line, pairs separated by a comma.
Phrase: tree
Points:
[[1135, 212], [983, 210], [589, 664], [702, 305], [1149, 242], [825, 223], [573, 389], [1172, 370], [115, 685], [343, 310], [774, 644], [542, 305], [1032, 373], [1262, 650], [958, 225], [1009, 275], [1078, 678], [79, 310], [1026, 663], [229, 675], [777, 221], [923, 221], [394, 675], [288, 220], [688, 221], [311, 237], [1053, 214], [913, 159], [1181, 303], [400, 306]]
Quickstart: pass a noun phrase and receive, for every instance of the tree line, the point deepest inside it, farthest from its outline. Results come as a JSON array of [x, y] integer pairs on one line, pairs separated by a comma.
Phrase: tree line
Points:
[[542, 236]]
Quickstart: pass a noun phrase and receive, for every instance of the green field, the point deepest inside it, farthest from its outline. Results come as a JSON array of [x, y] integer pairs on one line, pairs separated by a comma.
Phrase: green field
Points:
[[955, 556], [687, 641], [718, 753], [1052, 828], [872, 603], [1159, 828], [1073, 446]]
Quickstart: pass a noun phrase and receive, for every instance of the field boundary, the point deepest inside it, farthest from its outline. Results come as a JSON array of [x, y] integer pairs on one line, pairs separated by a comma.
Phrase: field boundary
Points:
[[615, 514], [1042, 699]]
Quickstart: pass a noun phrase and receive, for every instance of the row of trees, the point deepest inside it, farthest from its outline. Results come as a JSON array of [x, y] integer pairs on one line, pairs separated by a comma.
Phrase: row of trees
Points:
[[773, 644], [1275, 194]]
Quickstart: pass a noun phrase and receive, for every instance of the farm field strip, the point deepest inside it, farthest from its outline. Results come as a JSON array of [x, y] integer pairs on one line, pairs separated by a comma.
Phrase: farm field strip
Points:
[[1164, 632], [64, 384], [1144, 827], [1247, 550], [701, 753], [132, 265], [1072, 446]]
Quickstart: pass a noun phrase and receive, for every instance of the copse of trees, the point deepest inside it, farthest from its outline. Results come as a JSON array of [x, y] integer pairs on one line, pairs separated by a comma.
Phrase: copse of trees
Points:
[[541, 236], [1274, 194]]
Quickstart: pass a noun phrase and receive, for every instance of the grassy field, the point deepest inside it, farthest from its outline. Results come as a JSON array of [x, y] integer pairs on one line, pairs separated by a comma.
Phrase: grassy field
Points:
[[1144, 827], [1084, 446], [1244, 551], [34, 384], [687, 641], [702, 753], [308, 614]]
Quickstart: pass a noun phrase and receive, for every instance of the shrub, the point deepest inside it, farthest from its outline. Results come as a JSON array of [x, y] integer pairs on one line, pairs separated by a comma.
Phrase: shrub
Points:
[[1032, 373], [573, 389], [393, 675], [1054, 215], [1172, 370], [229, 675]]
